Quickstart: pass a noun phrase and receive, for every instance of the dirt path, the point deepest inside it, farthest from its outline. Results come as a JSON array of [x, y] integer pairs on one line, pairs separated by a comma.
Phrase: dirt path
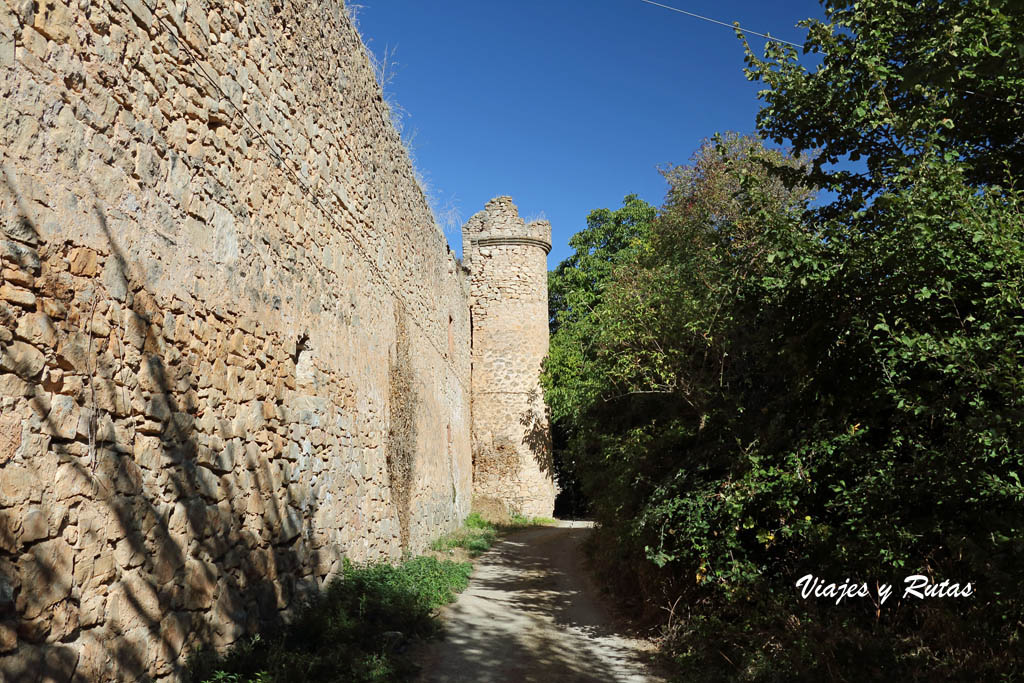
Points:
[[529, 614]]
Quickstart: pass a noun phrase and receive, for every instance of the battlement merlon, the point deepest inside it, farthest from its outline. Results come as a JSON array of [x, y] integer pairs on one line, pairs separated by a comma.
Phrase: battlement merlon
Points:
[[540, 230]]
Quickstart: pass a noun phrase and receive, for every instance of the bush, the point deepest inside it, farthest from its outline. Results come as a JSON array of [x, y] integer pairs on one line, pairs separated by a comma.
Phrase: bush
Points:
[[765, 396]]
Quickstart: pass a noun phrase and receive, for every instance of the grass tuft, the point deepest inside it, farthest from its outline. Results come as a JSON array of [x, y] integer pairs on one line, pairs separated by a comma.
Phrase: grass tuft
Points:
[[359, 627], [521, 522], [356, 630], [477, 535]]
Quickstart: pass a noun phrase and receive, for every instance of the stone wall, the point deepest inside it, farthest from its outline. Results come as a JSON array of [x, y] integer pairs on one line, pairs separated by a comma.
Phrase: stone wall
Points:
[[507, 259], [234, 347]]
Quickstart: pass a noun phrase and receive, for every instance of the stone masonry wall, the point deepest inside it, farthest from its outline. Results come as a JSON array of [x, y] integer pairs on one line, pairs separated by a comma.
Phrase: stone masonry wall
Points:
[[507, 259], [234, 347]]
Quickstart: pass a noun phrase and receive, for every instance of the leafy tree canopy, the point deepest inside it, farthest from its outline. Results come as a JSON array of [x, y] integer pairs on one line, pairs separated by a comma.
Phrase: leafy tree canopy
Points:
[[899, 79], [751, 388], [575, 286]]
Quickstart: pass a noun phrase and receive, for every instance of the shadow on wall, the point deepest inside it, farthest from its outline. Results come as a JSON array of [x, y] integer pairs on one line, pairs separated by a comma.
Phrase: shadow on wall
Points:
[[537, 433], [401, 443], [155, 537]]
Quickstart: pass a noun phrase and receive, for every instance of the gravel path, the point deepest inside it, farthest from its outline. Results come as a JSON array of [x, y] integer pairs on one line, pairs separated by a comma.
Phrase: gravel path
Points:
[[530, 614]]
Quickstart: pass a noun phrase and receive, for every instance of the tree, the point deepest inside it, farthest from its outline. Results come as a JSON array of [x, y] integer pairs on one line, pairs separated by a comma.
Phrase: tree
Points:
[[575, 285], [765, 388], [642, 346], [898, 80], [575, 289], [768, 388]]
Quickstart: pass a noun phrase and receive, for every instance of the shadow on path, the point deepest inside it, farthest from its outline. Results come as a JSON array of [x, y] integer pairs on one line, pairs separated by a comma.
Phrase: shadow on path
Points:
[[530, 615]]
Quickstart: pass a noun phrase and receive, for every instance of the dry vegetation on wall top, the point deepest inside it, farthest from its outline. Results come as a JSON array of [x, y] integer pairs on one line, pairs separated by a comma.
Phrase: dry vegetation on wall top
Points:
[[213, 268], [444, 207]]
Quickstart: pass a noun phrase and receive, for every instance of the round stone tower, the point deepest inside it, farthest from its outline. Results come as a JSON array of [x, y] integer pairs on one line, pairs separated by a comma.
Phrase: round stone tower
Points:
[[507, 261]]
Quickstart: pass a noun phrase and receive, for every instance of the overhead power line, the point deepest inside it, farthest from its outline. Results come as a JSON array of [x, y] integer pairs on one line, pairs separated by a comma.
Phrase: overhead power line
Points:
[[721, 23], [786, 42]]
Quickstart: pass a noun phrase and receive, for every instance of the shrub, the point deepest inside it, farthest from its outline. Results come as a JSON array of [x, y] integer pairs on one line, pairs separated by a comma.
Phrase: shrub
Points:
[[767, 394]]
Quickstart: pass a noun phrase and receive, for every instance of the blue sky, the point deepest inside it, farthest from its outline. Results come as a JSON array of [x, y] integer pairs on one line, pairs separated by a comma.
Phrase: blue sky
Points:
[[566, 105]]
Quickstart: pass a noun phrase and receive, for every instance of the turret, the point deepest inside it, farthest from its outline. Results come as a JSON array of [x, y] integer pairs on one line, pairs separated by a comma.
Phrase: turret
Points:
[[507, 260]]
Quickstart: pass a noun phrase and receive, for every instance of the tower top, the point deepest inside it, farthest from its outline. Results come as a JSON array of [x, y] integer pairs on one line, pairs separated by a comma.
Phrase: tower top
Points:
[[500, 224]]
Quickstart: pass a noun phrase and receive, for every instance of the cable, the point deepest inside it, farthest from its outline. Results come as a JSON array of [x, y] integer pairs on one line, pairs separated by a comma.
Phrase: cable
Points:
[[721, 23], [786, 42]]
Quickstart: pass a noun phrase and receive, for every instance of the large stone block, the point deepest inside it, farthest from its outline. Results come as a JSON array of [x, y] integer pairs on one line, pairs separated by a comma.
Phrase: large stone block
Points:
[[34, 525], [37, 328], [22, 359], [200, 584], [62, 420], [46, 576], [40, 663]]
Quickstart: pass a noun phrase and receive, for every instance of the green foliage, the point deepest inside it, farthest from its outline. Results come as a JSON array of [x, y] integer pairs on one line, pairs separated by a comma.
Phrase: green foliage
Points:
[[763, 389], [613, 368], [900, 80], [475, 521], [521, 522], [575, 290], [476, 536], [576, 286], [351, 632]]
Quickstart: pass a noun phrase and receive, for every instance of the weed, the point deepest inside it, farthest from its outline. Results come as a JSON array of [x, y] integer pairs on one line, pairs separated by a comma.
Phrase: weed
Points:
[[356, 630], [477, 535], [519, 521], [475, 521]]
